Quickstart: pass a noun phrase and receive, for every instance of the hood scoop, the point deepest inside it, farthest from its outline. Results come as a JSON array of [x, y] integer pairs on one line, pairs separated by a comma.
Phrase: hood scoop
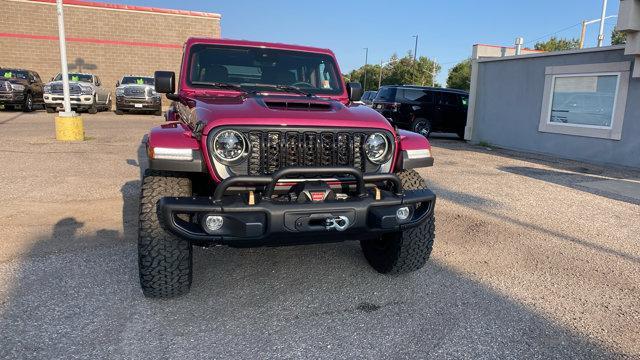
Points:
[[298, 105]]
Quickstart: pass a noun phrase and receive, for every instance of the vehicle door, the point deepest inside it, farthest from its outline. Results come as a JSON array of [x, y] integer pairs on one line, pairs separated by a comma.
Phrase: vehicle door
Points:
[[447, 111], [36, 87], [418, 103], [101, 94]]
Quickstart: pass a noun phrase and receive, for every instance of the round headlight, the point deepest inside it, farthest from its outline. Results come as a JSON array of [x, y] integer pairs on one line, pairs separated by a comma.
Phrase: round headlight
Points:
[[377, 147], [229, 146]]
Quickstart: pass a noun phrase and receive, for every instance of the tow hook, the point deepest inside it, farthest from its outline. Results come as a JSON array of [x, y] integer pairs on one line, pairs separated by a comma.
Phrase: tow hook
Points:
[[340, 223]]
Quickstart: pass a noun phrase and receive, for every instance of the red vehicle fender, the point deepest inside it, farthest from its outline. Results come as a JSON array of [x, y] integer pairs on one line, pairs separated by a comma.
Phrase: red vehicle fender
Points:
[[414, 151], [171, 147]]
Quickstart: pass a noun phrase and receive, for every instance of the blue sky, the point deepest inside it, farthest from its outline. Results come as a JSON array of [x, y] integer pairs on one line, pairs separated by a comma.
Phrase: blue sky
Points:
[[446, 29]]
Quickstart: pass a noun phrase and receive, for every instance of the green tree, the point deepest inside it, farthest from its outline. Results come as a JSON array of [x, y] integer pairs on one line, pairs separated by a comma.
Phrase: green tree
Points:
[[618, 37], [460, 76], [406, 71], [397, 71], [372, 76], [557, 44]]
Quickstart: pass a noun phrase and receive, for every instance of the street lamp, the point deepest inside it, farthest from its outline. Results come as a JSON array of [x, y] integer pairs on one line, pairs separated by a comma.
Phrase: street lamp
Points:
[[584, 29], [381, 65], [366, 58], [415, 47]]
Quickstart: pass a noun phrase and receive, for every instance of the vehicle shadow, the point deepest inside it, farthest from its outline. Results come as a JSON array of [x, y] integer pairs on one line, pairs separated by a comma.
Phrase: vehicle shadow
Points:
[[573, 180], [320, 301], [12, 118]]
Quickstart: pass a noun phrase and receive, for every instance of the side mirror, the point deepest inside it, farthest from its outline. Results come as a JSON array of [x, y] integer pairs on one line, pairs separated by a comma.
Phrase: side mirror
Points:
[[354, 90], [117, 83], [165, 82]]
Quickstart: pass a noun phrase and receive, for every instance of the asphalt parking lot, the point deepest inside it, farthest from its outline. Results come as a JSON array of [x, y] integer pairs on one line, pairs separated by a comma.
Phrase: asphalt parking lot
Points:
[[533, 259]]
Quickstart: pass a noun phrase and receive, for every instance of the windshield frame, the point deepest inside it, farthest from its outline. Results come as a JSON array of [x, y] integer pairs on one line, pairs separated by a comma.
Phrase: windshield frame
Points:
[[186, 81], [138, 77], [13, 71], [71, 74]]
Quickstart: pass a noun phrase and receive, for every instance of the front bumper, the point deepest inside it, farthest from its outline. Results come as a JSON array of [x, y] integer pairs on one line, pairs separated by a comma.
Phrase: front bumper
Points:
[[75, 100], [272, 222], [130, 103], [11, 98]]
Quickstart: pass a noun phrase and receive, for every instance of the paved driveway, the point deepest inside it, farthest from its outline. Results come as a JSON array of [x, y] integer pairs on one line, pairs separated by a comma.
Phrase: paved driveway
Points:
[[528, 263]]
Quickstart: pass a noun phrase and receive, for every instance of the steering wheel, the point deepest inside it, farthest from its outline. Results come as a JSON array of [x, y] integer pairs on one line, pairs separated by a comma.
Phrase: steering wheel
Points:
[[302, 84]]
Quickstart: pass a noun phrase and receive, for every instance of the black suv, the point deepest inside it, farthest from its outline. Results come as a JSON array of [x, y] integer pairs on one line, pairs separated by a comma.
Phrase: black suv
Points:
[[367, 97], [20, 89], [424, 109]]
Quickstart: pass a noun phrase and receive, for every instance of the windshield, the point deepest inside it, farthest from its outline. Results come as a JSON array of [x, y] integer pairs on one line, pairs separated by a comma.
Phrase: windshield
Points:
[[127, 80], [13, 74], [263, 69], [76, 77]]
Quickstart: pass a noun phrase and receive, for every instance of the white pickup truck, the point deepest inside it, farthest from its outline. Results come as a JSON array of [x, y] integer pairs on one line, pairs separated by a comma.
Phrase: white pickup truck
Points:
[[85, 90]]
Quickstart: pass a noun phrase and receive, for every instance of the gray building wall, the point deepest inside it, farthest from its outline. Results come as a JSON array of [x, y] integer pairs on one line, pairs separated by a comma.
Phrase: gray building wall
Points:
[[509, 101]]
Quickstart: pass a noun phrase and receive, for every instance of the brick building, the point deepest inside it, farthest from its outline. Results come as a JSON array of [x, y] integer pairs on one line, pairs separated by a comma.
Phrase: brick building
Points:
[[105, 39]]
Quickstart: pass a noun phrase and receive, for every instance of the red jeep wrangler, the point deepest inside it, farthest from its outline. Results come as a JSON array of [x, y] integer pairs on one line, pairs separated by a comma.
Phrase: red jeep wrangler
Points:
[[264, 146]]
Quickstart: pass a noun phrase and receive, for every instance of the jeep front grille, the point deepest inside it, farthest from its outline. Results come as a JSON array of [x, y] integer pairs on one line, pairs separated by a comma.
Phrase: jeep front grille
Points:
[[273, 149]]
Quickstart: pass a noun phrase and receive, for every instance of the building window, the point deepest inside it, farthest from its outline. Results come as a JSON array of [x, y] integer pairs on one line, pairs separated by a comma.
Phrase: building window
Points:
[[585, 100]]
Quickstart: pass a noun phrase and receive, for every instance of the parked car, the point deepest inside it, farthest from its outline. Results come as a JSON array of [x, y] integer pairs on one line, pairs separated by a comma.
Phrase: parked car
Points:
[[86, 93], [424, 109], [368, 96], [264, 147], [137, 94], [20, 88]]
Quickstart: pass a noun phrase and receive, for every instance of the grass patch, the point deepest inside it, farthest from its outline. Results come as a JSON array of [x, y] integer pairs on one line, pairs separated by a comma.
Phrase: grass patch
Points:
[[484, 143]]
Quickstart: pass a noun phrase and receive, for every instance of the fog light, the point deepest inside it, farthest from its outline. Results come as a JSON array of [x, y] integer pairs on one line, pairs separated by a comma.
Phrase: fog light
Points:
[[402, 213], [213, 222]]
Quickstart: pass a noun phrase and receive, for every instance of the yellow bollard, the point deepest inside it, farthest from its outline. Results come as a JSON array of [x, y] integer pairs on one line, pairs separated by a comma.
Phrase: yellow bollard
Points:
[[69, 128]]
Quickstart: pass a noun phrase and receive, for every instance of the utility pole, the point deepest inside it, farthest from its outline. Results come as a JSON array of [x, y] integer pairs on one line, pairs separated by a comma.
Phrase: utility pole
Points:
[[584, 28], [602, 16], [415, 47], [583, 33], [380, 78], [366, 59], [433, 73]]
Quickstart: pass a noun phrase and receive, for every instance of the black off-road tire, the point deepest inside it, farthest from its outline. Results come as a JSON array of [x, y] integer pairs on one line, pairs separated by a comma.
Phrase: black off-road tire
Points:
[[93, 109], [119, 112], [27, 106], [405, 251], [164, 260], [422, 126]]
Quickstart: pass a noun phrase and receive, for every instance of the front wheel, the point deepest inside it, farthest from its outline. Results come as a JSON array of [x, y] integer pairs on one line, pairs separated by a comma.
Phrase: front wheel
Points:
[[164, 260], [422, 126], [28, 103], [407, 250]]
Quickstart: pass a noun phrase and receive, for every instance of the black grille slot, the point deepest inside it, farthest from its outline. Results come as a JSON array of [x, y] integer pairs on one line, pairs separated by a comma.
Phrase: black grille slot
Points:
[[297, 105]]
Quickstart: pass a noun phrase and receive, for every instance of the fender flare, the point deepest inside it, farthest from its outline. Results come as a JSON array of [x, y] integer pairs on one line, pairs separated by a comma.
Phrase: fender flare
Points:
[[414, 151]]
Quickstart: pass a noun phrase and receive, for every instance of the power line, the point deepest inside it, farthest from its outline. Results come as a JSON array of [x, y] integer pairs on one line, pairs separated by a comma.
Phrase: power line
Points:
[[553, 33]]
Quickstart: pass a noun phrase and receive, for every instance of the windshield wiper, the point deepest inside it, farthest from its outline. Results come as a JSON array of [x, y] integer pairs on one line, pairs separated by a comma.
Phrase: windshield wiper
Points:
[[221, 85]]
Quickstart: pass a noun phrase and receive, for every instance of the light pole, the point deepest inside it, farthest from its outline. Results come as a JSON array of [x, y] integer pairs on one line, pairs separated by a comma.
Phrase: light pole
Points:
[[381, 65], [68, 124], [415, 47], [589, 22], [366, 59], [602, 16], [63, 62]]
